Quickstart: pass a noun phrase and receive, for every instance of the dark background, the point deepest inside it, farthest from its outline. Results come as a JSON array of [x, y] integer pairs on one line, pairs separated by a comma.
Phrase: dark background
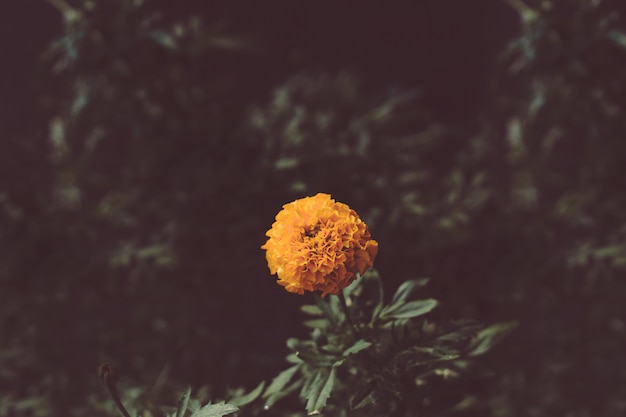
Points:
[[447, 48], [484, 153]]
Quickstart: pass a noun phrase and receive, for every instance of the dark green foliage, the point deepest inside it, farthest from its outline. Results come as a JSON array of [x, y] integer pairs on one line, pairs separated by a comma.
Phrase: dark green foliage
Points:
[[356, 359], [183, 404], [382, 365], [215, 410]]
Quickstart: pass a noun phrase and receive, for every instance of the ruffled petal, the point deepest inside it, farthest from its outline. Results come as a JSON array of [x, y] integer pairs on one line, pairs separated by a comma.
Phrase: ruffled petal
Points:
[[317, 244]]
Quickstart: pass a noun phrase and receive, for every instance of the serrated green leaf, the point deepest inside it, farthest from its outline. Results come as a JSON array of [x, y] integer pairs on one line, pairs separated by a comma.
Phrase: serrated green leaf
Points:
[[355, 348], [405, 310], [488, 337], [407, 288], [183, 403], [320, 390], [315, 358], [418, 356], [358, 346], [215, 410], [279, 382], [273, 398], [307, 381], [249, 397], [332, 349]]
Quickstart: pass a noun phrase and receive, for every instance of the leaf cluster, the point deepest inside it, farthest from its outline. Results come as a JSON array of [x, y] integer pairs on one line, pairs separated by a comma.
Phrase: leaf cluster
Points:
[[380, 358], [362, 354]]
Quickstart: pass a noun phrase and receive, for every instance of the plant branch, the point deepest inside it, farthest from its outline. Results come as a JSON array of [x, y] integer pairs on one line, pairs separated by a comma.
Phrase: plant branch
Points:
[[108, 374], [68, 11], [525, 11], [346, 311]]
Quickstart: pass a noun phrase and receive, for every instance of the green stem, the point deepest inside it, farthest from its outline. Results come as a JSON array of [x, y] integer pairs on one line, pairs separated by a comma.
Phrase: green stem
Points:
[[108, 375], [116, 398], [346, 312]]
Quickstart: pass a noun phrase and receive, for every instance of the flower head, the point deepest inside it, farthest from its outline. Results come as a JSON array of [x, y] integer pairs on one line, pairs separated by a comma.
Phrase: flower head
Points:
[[317, 244]]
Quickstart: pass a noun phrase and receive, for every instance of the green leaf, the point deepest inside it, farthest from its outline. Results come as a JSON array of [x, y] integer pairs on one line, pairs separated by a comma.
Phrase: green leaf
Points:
[[286, 163], [312, 310], [315, 358], [273, 398], [404, 310], [466, 330], [355, 286], [388, 309], [366, 294], [194, 404], [183, 403], [164, 39], [292, 343], [249, 397], [293, 358], [307, 382], [316, 324], [231, 43], [331, 309], [215, 410], [417, 356], [488, 337], [320, 390], [357, 347], [279, 382], [407, 288], [359, 398], [618, 37]]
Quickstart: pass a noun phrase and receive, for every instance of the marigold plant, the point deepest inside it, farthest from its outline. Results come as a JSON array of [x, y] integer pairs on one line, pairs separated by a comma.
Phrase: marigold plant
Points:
[[318, 244]]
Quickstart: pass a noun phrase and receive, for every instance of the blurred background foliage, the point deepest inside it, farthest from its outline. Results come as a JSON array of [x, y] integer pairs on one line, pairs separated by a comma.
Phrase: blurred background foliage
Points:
[[483, 143]]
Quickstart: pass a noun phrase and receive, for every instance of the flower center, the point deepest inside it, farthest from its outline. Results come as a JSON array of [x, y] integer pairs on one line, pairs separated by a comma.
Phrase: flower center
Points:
[[312, 232]]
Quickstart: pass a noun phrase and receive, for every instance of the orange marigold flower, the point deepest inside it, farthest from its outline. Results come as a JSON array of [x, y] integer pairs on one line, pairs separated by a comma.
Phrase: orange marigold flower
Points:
[[317, 244]]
